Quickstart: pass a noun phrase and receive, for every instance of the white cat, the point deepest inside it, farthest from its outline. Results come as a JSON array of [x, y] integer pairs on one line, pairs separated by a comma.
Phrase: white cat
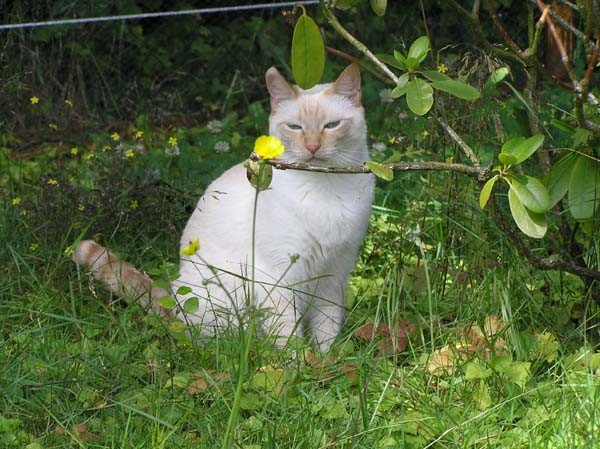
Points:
[[322, 218]]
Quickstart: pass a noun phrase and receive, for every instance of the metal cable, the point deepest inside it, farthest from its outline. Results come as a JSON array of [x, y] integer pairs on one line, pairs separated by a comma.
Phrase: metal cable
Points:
[[152, 15]]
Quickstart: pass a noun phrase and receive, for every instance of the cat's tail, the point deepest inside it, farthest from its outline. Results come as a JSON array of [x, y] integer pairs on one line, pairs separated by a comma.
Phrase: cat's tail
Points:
[[120, 277]]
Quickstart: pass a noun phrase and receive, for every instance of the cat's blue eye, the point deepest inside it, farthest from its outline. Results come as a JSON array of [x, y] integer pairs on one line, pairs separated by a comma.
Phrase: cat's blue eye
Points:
[[331, 125], [294, 126]]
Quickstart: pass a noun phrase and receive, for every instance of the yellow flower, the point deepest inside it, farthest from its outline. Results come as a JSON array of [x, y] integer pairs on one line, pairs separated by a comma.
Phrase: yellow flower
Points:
[[68, 250], [52, 182], [24, 212], [392, 140], [442, 68], [69, 103], [34, 100], [133, 205], [129, 154], [33, 246], [16, 201], [88, 156], [139, 134], [172, 141], [425, 133], [105, 148], [74, 151], [190, 249], [115, 137], [81, 207], [268, 147], [53, 126]]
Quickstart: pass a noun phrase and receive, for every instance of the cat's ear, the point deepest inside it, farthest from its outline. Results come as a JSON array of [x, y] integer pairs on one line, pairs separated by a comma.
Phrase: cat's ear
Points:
[[348, 84], [278, 87]]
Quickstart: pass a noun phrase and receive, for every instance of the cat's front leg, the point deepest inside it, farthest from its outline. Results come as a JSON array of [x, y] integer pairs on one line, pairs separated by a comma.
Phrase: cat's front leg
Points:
[[326, 313], [283, 316]]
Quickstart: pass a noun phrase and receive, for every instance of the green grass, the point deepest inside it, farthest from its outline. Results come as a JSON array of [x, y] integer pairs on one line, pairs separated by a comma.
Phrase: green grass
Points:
[[78, 369]]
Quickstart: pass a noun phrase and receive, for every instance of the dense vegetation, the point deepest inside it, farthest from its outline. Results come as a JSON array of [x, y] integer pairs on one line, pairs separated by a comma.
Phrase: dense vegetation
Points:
[[462, 333]]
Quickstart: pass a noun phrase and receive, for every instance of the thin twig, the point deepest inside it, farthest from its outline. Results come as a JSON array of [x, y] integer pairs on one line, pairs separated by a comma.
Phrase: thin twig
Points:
[[334, 22], [507, 38], [561, 48], [461, 143], [355, 60], [481, 173]]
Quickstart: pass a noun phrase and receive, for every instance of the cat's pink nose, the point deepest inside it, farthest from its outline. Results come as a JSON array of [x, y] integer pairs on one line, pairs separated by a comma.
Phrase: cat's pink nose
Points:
[[313, 147]]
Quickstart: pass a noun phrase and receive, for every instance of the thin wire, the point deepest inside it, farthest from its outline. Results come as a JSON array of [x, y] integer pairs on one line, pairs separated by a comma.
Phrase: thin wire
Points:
[[151, 15]]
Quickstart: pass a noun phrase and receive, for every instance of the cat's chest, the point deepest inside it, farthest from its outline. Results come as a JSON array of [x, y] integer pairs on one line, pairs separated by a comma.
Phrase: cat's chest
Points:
[[321, 212]]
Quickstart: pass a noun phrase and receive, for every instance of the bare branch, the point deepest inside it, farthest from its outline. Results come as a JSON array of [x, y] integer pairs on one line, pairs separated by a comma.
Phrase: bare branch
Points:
[[461, 143], [335, 23], [481, 173]]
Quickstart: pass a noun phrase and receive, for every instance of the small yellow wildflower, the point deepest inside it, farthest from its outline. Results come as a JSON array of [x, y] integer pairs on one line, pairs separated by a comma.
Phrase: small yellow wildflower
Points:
[[88, 156], [33, 246], [115, 136], [425, 133], [105, 148], [24, 212], [81, 207], [133, 205], [34, 100], [53, 126], [172, 141], [69, 103], [392, 140], [16, 201], [74, 151], [442, 68], [130, 154], [139, 134], [268, 147], [68, 250], [52, 182], [190, 249]]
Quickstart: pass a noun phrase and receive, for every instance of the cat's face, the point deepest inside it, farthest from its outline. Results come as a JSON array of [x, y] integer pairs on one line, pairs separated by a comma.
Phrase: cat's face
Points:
[[324, 125]]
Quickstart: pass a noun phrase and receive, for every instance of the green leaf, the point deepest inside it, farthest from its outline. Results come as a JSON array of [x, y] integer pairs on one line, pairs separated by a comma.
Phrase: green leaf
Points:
[[531, 192], [498, 75], [486, 191], [184, 290], [584, 188], [519, 149], [500, 363], [558, 178], [482, 396], [531, 224], [434, 75], [400, 58], [380, 170], [270, 380], [412, 63], [507, 159], [518, 373], [167, 302], [391, 60], [419, 96], [563, 126], [419, 49], [379, 6], [476, 371], [259, 174], [401, 87], [458, 89], [191, 305], [581, 136], [308, 53]]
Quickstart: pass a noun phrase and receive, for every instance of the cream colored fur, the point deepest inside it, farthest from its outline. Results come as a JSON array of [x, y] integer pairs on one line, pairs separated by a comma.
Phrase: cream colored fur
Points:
[[322, 218]]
